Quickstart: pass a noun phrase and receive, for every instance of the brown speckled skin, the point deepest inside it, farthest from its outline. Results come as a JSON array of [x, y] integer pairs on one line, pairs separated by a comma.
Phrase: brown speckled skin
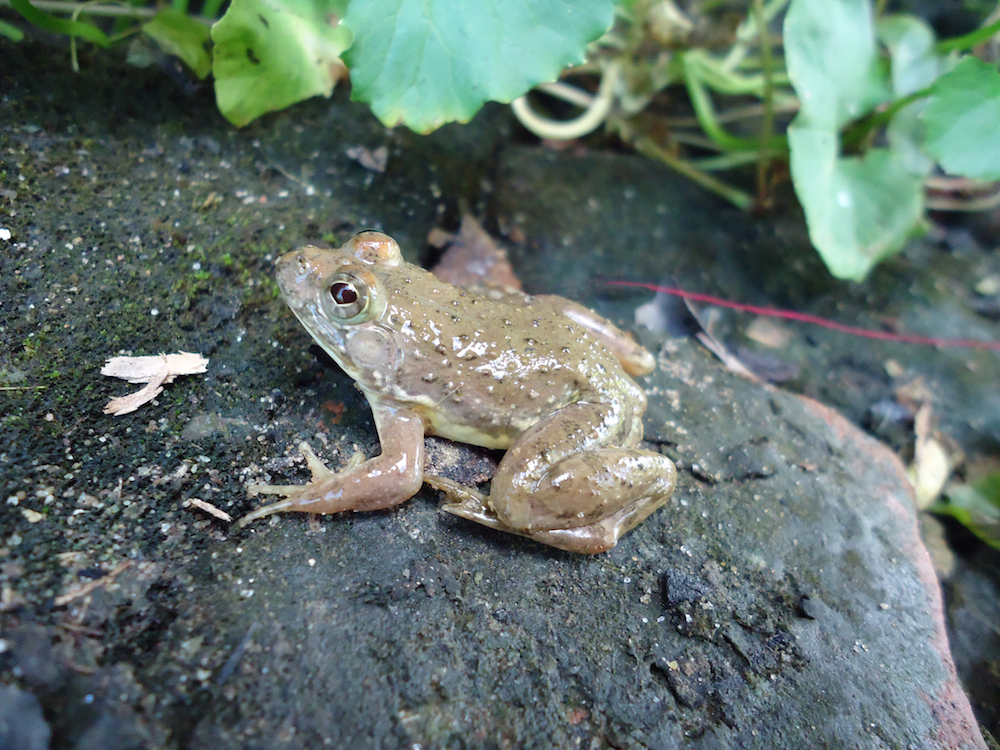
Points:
[[541, 376]]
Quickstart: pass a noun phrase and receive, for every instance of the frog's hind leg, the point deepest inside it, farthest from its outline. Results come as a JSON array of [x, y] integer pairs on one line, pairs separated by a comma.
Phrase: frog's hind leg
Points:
[[591, 539], [573, 481]]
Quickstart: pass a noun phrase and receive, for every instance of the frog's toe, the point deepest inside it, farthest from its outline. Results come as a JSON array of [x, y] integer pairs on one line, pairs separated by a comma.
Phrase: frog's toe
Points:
[[464, 501], [477, 512], [456, 494], [286, 490], [295, 495], [319, 470], [266, 510]]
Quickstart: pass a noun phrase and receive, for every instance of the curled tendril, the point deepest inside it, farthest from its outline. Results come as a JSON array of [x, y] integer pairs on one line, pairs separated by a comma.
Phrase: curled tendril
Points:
[[597, 108]]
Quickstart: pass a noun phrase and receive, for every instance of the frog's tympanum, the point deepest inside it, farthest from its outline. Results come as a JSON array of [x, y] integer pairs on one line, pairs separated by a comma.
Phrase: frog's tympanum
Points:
[[542, 377]]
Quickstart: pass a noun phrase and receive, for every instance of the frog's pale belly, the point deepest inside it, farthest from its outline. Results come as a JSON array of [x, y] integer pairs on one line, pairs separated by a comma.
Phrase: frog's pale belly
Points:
[[542, 377]]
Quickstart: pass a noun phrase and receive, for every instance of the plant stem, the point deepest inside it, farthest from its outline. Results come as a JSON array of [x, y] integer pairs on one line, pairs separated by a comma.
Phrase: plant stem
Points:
[[703, 108], [590, 120], [737, 197], [43, 20], [211, 9], [65, 6], [969, 40], [857, 133], [767, 126], [747, 30], [11, 32]]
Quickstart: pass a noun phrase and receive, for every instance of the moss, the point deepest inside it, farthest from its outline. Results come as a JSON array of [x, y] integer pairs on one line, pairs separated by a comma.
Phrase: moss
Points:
[[14, 420]]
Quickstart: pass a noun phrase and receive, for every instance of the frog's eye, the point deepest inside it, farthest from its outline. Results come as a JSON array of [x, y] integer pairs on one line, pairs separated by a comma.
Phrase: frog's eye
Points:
[[344, 293], [349, 296]]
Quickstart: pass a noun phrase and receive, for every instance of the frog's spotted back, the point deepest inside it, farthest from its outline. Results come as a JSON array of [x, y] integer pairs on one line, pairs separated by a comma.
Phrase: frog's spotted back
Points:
[[374, 247]]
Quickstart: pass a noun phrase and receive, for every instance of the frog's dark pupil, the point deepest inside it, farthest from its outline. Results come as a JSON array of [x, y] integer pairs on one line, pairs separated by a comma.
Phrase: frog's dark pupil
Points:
[[343, 294]]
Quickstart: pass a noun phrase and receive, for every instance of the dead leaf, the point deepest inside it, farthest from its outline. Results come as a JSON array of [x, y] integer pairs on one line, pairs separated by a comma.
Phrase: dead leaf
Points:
[[154, 371], [473, 258], [914, 394], [730, 360], [769, 332], [932, 462], [374, 161]]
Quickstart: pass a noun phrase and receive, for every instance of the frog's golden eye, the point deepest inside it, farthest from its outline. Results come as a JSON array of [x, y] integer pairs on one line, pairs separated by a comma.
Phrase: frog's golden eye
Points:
[[349, 296]]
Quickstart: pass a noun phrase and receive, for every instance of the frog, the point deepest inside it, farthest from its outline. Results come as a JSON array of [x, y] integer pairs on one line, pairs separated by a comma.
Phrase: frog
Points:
[[541, 377]]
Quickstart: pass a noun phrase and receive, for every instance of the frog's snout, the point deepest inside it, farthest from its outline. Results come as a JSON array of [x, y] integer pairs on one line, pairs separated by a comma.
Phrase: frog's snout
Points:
[[293, 270]]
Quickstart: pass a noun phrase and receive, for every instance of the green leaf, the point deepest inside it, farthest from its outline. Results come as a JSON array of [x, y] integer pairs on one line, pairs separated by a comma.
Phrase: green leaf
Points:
[[916, 64], [860, 210], [911, 44], [180, 35], [977, 507], [427, 62], [270, 54], [832, 62], [46, 21], [962, 119]]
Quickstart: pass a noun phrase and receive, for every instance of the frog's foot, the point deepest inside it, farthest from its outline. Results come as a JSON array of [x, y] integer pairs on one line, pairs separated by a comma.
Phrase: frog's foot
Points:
[[465, 502], [601, 535], [473, 505], [294, 493]]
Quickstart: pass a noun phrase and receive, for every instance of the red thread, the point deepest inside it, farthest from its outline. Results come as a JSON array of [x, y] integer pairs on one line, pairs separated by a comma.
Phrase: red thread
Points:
[[905, 338]]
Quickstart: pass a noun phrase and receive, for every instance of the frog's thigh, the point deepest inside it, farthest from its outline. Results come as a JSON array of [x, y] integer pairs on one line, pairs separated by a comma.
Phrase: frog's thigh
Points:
[[568, 472]]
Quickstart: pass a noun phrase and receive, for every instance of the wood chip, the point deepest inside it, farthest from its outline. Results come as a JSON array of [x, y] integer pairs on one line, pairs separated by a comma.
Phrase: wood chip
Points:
[[90, 585], [210, 509], [154, 371]]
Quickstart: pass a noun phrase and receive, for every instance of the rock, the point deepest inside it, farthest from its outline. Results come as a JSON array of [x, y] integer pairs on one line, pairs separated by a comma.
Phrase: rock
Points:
[[22, 726], [782, 609], [782, 599]]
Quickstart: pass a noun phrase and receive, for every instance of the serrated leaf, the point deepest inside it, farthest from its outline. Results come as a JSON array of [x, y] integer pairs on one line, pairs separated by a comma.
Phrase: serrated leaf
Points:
[[962, 119], [270, 54], [423, 63], [181, 35], [860, 210], [832, 62]]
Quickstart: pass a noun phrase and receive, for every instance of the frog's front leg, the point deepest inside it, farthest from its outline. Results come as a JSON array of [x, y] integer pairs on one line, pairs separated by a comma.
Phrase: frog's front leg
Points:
[[380, 482]]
